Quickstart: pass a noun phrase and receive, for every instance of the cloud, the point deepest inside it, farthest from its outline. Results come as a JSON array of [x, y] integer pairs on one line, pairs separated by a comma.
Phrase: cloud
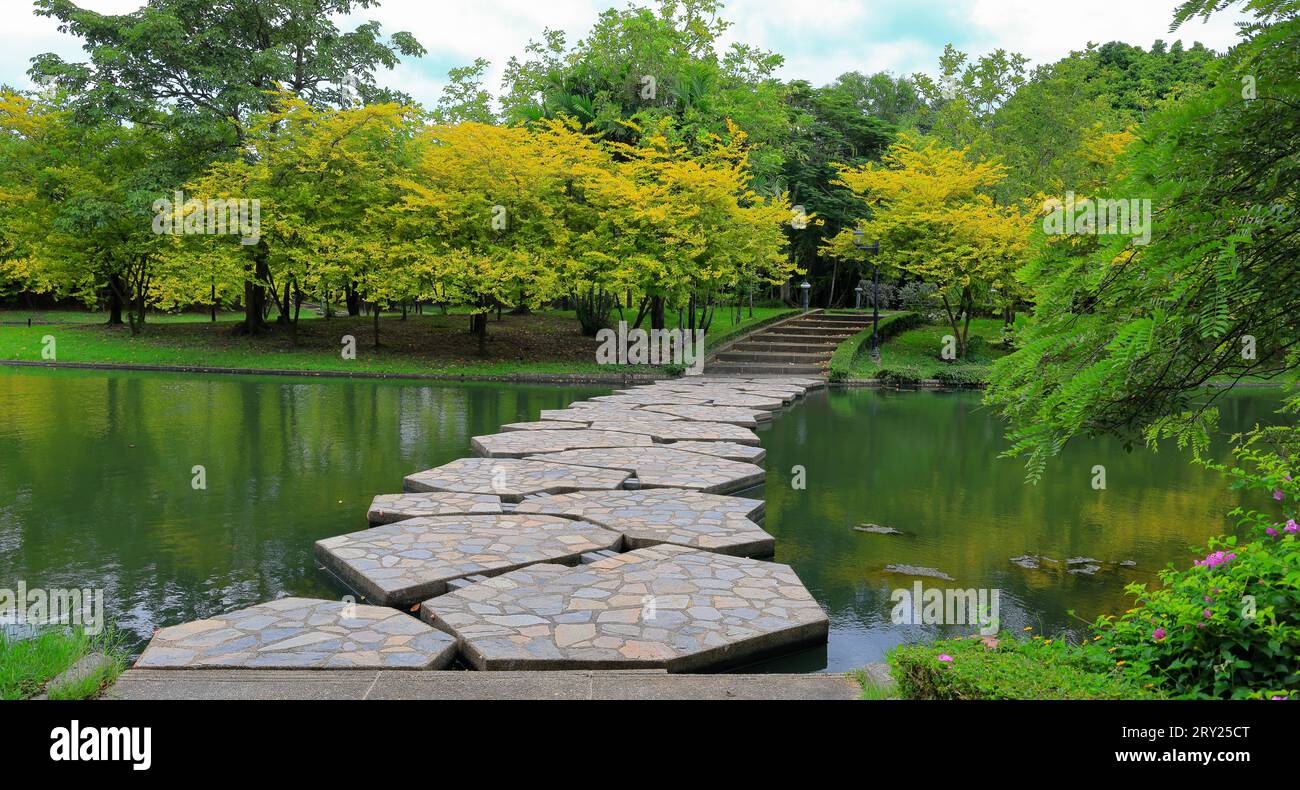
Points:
[[820, 39]]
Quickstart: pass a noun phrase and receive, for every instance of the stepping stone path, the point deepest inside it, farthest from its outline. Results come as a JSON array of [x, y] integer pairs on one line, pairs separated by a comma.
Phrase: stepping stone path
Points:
[[513, 479], [660, 515], [732, 414], [665, 607], [512, 554], [661, 467], [387, 508], [682, 430], [403, 563], [517, 444], [589, 414], [302, 633], [730, 450]]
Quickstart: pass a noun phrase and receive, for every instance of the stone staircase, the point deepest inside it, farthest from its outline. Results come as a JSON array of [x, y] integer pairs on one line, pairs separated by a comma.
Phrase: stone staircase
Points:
[[802, 345]]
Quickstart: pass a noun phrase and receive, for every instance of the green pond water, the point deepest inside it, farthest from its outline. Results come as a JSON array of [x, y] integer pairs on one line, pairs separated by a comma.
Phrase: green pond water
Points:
[[96, 471]]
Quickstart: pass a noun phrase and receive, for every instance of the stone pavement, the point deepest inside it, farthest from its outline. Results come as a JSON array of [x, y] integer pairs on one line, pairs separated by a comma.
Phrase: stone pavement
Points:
[[661, 515], [511, 557], [405, 562], [301, 633], [664, 607], [357, 684]]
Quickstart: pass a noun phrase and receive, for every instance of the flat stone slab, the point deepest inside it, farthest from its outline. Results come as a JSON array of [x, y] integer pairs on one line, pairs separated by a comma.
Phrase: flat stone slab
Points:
[[661, 515], [301, 633], [403, 563], [682, 430], [735, 415], [512, 479], [769, 393], [657, 398], [661, 467], [732, 451], [668, 607], [517, 444], [587, 414], [543, 425], [387, 508]]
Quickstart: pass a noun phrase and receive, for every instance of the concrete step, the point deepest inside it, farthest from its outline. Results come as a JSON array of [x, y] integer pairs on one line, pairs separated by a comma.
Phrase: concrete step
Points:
[[816, 331], [778, 358], [761, 369], [793, 348]]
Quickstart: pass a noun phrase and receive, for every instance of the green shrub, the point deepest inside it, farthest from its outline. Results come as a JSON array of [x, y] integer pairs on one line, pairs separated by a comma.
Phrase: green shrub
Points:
[[1196, 635], [853, 349], [1009, 668], [961, 376], [902, 376]]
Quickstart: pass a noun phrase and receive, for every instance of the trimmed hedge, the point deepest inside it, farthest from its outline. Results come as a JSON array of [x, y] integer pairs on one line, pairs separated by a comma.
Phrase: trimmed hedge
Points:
[[854, 348], [1008, 668]]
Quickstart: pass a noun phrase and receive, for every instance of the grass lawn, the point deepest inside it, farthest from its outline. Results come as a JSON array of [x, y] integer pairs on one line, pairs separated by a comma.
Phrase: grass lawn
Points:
[[26, 665], [916, 353], [544, 342]]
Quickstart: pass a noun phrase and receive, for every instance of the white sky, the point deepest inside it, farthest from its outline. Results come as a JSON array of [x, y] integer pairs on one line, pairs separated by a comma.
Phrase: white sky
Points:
[[820, 39]]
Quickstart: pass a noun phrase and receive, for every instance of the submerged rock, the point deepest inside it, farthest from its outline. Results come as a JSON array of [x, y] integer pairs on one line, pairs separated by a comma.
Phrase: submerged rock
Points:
[[1086, 569], [913, 570], [876, 529]]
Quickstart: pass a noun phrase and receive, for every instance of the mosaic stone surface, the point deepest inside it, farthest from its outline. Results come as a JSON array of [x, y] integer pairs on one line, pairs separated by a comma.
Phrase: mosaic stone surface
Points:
[[656, 398], [732, 414], [664, 607], [512, 478], [543, 425], [301, 633], [682, 430], [660, 515], [588, 413], [403, 563], [517, 444], [660, 467], [387, 508], [732, 451]]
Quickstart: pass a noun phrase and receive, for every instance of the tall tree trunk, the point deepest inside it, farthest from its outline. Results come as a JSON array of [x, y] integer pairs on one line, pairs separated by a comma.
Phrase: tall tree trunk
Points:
[[656, 312], [375, 309], [255, 293], [353, 300], [479, 326], [114, 300]]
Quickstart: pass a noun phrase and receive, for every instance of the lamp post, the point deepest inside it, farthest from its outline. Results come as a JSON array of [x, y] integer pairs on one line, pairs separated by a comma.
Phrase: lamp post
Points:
[[805, 287], [857, 297], [872, 249]]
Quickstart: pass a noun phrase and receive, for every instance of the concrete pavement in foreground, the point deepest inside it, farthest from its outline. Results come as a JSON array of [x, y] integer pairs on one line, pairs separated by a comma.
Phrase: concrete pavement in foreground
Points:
[[360, 684]]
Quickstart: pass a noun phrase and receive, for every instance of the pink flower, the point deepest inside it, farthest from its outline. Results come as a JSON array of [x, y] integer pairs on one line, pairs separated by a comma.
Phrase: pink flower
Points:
[[1208, 614], [1271, 532], [945, 658], [1215, 558], [1291, 526], [1278, 495], [1158, 634]]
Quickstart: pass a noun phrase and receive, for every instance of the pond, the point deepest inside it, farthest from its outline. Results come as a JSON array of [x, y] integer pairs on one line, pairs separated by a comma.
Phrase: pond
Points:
[[926, 464], [96, 471]]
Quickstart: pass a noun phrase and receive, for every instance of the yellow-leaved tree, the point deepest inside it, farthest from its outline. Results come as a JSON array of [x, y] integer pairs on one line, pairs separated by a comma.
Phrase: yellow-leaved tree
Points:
[[932, 214]]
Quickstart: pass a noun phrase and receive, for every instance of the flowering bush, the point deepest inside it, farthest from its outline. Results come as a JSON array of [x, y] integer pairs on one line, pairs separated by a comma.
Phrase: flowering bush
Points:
[[1229, 625]]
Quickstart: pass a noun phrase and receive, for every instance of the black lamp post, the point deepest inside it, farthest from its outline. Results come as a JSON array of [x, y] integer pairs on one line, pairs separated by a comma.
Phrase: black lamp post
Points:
[[872, 249], [805, 287]]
